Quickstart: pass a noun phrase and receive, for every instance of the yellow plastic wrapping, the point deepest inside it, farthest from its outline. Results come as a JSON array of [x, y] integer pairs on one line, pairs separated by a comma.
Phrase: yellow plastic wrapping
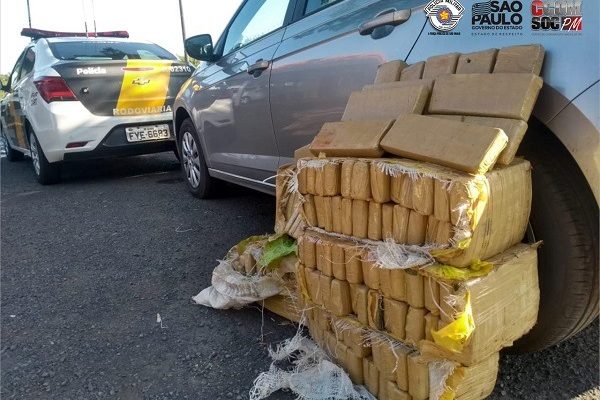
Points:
[[448, 272], [454, 335]]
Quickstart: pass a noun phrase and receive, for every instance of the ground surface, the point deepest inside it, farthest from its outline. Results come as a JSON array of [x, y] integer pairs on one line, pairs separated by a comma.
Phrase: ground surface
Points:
[[87, 265]]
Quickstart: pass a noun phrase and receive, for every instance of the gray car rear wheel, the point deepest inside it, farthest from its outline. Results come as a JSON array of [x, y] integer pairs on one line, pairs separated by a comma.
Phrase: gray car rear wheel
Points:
[[46, 173], [193, 165]]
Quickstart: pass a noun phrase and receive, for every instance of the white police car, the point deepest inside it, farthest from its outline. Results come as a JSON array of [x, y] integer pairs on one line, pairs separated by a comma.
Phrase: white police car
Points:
[[71, 97]]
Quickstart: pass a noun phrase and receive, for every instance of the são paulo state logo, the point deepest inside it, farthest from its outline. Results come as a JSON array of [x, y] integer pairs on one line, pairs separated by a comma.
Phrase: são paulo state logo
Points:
[[444, 14]]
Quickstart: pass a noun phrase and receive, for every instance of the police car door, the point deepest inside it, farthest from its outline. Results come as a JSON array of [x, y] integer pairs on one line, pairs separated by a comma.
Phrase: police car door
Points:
[[12, 111]]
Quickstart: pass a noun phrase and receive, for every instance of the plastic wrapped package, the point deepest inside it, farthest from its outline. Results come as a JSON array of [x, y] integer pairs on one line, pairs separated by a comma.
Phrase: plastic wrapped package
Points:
[[461, 314], [393, 370], [460, 218], [374, 228], [380, 185], [360, 218], [504, 304], [289, 216], [360, 188]]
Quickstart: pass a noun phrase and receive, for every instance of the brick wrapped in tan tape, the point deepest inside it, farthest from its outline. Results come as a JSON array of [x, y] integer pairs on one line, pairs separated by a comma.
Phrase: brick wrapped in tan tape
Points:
[[302, 152], [440, 65], [465, 147], [351, 138], [413, 71], [390, 71], [480, 62], [501, 95], [360, 187], [386, 103], [513, 128], [520, 59]]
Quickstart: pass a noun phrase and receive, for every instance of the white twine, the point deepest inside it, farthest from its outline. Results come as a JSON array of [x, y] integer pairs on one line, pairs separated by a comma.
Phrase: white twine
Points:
[[390, 255]]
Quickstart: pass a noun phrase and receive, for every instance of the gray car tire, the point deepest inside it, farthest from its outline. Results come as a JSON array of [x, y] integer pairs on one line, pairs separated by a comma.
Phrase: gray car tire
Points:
[[565, 217], [193, 166]]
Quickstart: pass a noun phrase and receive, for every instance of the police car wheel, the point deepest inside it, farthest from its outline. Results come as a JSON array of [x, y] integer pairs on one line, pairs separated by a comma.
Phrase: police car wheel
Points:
[[11, 154], [193, 165], [45, 172]]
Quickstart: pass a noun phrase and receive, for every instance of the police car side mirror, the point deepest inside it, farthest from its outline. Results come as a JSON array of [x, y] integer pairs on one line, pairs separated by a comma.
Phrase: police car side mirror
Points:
[[200, 47]]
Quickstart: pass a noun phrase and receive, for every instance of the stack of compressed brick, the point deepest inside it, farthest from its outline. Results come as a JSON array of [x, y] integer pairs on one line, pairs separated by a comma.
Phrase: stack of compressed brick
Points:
[[411, 267]]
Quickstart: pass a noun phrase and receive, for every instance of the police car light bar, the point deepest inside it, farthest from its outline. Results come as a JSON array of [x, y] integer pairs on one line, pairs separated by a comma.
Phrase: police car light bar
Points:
[[39, 33]]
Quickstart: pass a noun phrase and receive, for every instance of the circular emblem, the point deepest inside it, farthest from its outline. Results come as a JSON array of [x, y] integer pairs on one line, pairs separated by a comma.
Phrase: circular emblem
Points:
[[444, 14]]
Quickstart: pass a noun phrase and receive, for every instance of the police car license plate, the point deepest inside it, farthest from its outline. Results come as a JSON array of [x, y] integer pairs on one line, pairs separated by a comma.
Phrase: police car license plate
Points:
[[149, 132]]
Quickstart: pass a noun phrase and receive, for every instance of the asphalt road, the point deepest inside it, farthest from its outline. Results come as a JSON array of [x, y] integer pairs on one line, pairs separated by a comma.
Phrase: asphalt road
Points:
[[87, 265]]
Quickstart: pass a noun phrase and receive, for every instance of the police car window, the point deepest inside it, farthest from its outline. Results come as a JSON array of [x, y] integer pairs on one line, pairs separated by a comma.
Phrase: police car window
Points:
[[27, 64], [255, 19], [147, 55], [315, 5], [93, 50], [14, 76]]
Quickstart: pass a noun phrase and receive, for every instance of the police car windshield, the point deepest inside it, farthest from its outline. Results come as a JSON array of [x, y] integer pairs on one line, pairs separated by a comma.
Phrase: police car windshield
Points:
[[94, 50]]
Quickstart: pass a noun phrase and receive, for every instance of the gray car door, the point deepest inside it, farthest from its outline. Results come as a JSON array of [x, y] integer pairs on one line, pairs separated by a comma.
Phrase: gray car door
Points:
[[232, 112], [323, 58]]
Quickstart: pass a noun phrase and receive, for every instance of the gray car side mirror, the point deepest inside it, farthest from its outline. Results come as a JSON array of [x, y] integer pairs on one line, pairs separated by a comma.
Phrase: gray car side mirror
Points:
[[200, 47]]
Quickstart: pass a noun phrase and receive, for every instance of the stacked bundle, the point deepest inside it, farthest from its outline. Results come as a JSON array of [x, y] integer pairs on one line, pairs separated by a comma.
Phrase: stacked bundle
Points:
[[433, 320], [391, 249]]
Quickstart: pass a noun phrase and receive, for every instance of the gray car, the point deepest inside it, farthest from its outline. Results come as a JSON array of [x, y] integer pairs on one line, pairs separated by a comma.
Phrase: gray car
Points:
[[284, 67]]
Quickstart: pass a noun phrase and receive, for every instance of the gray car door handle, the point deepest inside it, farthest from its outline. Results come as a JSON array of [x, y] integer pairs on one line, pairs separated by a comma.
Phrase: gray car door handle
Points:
[[394, 18], [258, 67]]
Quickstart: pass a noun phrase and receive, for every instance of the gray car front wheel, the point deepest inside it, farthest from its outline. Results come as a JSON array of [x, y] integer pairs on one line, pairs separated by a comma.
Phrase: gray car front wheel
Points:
[[193, 165]]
